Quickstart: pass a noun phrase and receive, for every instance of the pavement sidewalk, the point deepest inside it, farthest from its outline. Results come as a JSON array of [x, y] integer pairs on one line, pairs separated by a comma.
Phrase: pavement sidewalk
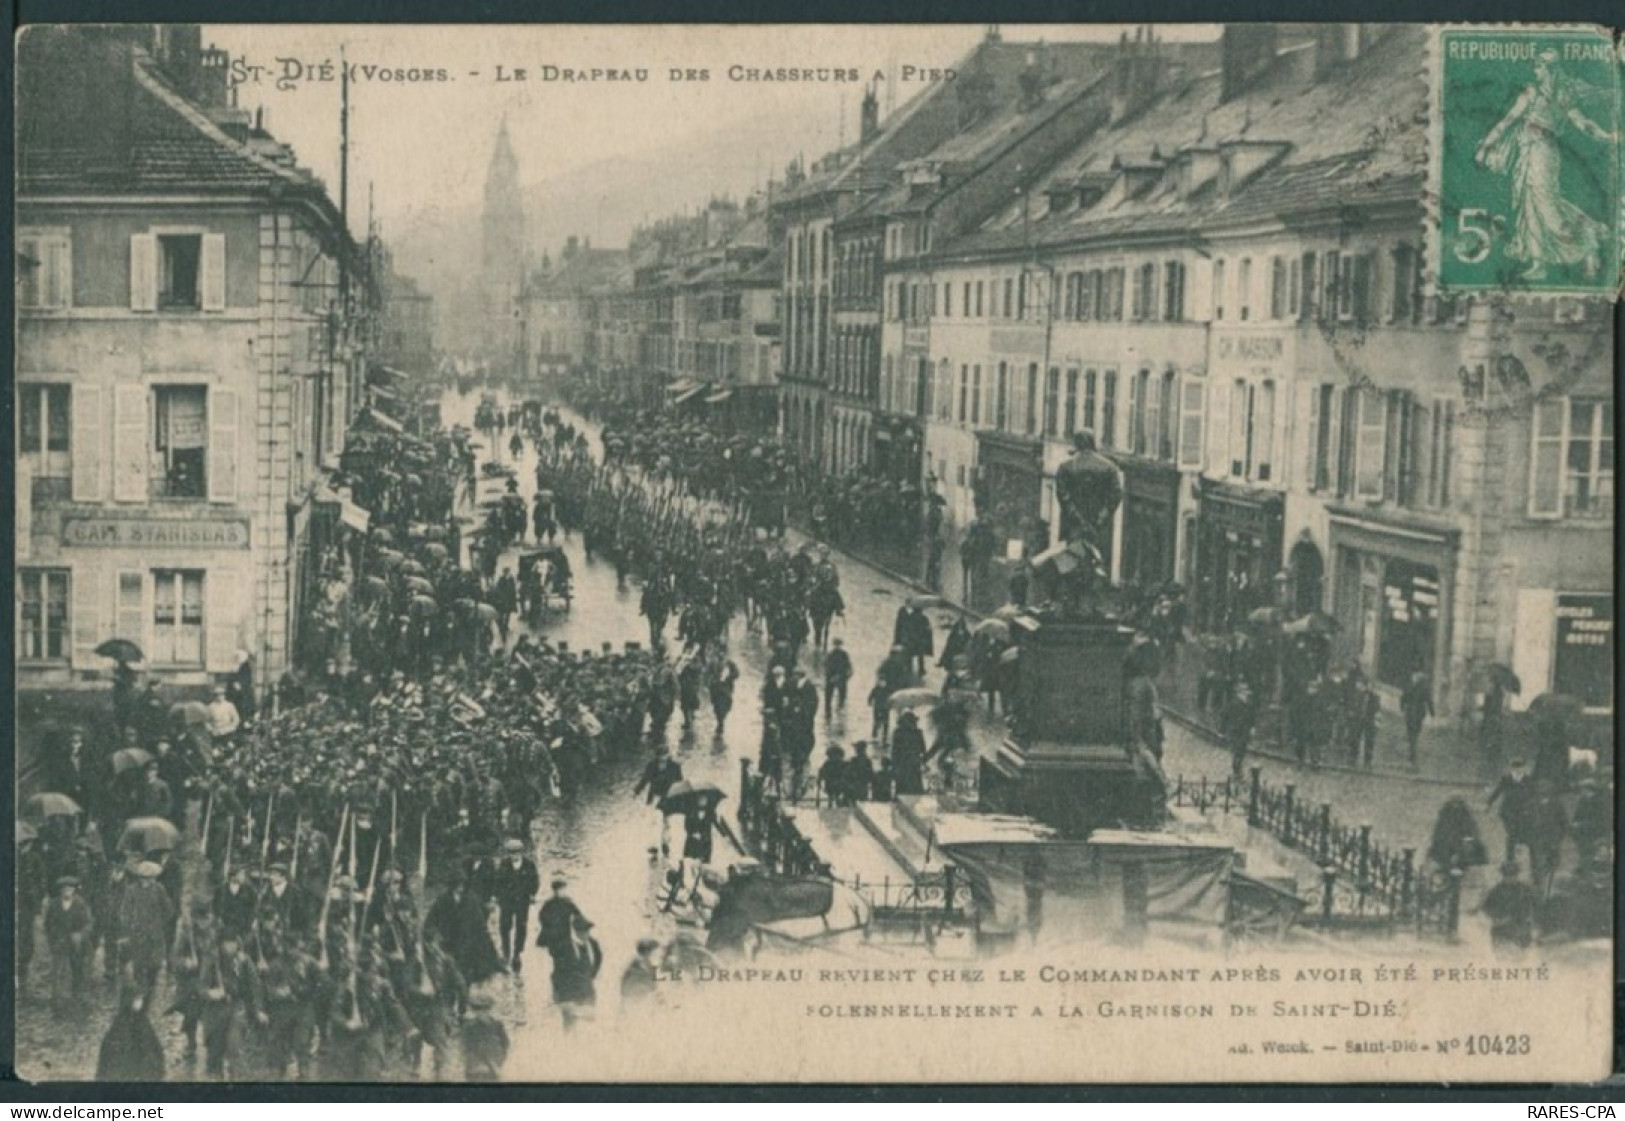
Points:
[[1448, 754]]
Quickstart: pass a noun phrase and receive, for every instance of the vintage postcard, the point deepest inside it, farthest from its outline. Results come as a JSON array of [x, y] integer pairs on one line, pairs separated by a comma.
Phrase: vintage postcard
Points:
[[896, 553]]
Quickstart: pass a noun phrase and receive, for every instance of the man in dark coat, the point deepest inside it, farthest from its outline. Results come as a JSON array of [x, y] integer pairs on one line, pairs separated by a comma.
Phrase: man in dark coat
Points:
[[641, 979], [1416, 703], [575, 966], [68, 927], [660, 774], [555, 917], [908, 755], [517, 881], [145, 918], [236, 902], [837, 672], [912, 631], [458, 922], [1514, 798]]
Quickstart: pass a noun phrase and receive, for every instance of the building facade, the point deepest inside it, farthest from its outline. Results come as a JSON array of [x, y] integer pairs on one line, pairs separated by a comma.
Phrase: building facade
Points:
[[186, 368]]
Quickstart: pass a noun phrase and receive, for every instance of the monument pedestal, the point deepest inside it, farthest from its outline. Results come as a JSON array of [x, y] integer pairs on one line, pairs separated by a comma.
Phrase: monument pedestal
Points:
[[1066, 763]]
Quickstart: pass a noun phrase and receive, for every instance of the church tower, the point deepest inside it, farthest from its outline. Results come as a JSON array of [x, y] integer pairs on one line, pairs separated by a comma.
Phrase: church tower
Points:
[[502, 250]]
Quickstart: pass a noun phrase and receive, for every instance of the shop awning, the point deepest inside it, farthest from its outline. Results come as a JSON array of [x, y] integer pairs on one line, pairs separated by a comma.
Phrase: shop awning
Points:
[[688, 395], [681, 386], [719, 397], [380, 391], [379, 375]]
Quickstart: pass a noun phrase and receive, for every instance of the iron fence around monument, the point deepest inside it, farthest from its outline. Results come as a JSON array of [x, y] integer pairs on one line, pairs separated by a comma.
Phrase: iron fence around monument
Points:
[[1364, 884]]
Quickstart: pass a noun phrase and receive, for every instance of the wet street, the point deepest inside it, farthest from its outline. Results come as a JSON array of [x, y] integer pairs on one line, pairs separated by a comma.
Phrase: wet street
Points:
[[601, 836]]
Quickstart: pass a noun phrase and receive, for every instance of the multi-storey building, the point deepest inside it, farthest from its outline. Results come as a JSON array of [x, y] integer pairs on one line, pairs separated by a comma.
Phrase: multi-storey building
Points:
[[186, 363], [1223, 285]]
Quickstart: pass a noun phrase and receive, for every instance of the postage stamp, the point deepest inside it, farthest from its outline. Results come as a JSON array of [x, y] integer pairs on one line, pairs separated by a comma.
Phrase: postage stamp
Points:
[[1525, 163]]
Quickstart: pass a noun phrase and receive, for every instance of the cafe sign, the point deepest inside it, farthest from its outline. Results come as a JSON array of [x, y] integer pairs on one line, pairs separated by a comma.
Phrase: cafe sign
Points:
[[148, 533]]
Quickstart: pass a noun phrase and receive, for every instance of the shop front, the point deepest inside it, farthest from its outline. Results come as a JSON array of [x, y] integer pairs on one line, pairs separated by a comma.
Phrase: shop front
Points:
[[1009, 495], [899, 449], [1392, 596], [1238, 553], [1150, 521]]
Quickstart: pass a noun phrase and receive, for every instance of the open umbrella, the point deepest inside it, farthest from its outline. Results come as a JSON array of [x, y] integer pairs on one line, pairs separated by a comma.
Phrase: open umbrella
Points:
[[1009, 612], [1559, 707], [486, 612], [685, 796], [190, 712], [1499, 672], [130, 758], [918, 697], [121, 650], [998, 628], [464, 604], [383, 536], [376, 584], [436, 550], [1264, 616], [413, 568], [923, 601], [419, 585], [51, 804], [149, 834], [1314, 623], [26, 832], [389, 557], [1010, 655], [422, 605]]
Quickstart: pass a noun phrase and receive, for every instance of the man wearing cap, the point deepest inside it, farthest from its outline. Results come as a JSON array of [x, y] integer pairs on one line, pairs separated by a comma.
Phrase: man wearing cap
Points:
[[235, 902], [291, 907], [554, 918], [224, 719], [516, 881], [68, 924]]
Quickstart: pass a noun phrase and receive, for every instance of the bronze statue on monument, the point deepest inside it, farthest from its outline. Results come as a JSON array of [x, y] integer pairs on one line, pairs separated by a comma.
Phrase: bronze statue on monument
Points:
[[1075, 574]]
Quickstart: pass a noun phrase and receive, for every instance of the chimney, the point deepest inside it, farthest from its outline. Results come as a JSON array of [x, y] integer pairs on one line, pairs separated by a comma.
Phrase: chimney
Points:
[[212, 88], [1337, 43], [1246, 51], [1136, 73], [869, 115], [571, 244]]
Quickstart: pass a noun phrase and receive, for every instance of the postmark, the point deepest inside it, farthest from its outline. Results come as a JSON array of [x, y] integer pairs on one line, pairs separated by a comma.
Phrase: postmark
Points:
[[1524, 164]]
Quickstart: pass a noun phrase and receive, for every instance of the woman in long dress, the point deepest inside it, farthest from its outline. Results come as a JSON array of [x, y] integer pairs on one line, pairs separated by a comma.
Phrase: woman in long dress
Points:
[[1547, 229]]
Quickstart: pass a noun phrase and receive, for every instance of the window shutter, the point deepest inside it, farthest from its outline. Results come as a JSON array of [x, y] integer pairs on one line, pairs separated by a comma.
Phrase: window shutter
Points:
[[130, 443], [87, 441], [1371, 445], [1546, 459], [1218, 420], [221, 613], [23, 528], [212, 283], [86, 622], [143, 272], [223, 445], [131, 611], [1309, 409], [1136, 417]]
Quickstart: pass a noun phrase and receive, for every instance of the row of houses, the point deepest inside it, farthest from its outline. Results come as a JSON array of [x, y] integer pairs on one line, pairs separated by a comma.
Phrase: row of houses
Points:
[[687, 314], [195, 325], [1210, 257]]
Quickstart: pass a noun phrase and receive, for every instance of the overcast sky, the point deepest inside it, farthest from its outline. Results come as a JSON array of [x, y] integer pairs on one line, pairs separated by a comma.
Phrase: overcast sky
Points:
[[427, 143]]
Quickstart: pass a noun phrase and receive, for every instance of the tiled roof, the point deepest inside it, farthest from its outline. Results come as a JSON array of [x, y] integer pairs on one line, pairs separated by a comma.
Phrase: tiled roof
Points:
[[1352, 137], [169, 145]]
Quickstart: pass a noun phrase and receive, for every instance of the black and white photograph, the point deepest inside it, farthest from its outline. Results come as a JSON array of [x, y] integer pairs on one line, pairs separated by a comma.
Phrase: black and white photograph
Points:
[[898, 553]]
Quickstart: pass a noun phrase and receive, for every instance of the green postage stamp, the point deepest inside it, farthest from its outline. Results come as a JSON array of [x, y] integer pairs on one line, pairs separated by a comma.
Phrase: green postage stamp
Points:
[[1525, 160]]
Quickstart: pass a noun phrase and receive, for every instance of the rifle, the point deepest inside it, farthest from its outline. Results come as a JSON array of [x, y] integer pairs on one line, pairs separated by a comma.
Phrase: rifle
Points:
[[231, 834], [298, 833], [270, 812], [327, 896]]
